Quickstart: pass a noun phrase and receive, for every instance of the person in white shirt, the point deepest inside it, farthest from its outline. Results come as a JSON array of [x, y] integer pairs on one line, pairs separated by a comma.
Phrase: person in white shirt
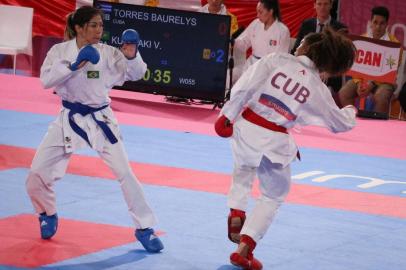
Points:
[[266, 34], [82, 72], [214, 7], [273, 95], [380, 92], [218, 7]]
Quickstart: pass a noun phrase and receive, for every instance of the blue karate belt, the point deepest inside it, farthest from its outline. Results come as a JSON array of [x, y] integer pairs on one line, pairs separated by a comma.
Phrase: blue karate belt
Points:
[[85, 110]]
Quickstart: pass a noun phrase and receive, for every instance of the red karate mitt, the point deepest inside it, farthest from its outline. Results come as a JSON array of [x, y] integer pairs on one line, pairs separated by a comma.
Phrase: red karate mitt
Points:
[[223, 127]]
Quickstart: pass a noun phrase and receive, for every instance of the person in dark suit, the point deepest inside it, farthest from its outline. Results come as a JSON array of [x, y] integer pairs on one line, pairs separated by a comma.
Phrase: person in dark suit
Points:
[[315, 25]]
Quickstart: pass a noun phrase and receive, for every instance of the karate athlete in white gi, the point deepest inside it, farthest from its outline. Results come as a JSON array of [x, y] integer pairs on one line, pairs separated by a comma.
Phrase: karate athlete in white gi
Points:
[[276, 93], [82, 72], [266, 34]]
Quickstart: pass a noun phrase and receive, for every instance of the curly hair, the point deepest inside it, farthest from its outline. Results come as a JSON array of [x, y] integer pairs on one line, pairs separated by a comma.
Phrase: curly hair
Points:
[[330, 51]]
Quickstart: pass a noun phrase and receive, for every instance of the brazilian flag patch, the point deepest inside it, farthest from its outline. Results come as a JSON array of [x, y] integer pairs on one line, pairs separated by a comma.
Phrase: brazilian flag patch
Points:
[[93, 74]]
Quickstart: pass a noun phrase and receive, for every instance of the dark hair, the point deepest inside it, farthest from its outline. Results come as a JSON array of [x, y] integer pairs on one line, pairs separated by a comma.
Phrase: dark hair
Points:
[[274, 5], [79, 17], [380, 11], [330, 51]]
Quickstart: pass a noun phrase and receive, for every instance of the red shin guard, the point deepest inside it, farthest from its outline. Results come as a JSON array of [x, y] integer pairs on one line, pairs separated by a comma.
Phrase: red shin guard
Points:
[[249, 262], [234, 231]]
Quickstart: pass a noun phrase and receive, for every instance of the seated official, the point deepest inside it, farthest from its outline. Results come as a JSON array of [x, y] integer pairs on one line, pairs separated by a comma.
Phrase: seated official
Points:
[[149, 3], [218, 7]]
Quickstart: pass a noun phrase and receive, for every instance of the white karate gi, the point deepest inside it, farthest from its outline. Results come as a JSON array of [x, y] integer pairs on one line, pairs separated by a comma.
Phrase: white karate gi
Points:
[[90, 86], [286, 90], [263, 42]]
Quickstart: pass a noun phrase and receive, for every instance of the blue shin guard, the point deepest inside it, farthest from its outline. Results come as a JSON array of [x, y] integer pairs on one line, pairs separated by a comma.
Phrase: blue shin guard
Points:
[[149, 240], [48, 225]]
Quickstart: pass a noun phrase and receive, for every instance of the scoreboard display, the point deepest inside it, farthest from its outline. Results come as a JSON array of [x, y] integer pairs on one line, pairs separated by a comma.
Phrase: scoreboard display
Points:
[[186, 52]]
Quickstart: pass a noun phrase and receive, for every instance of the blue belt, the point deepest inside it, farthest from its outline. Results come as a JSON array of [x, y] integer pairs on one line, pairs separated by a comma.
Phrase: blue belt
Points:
[[85, 110]]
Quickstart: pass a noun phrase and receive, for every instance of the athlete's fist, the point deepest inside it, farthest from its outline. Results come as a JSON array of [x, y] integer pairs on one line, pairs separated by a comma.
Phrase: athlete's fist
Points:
[[352, 107], [130, 36], [87, 53], [130, 39], [223, 127]]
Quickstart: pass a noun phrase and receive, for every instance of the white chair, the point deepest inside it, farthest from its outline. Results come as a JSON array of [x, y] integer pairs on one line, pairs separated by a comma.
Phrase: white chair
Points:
[[15, 31]]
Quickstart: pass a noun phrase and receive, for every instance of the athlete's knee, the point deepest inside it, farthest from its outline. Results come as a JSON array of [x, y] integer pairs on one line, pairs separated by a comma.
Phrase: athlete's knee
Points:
[[33, 182], [383, 95], [123, 172], [277, 191]]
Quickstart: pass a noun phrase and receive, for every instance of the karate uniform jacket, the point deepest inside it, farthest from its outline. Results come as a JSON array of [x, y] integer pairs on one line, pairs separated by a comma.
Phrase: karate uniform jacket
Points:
[[90, 86], [263, 42], [286, 90]]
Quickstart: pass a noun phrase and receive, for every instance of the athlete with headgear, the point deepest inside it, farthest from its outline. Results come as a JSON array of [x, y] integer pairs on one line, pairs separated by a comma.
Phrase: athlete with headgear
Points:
[[82, 71], [277, 93]]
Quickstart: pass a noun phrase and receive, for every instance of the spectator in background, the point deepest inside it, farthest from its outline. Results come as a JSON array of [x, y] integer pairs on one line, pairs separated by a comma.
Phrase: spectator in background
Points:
[[382, 92], [266, 34], [315, 25], [218, 7], [150, 3]]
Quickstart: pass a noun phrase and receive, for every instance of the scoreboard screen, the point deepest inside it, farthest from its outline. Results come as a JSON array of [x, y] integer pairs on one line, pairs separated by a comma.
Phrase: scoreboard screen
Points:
[[186, 52]]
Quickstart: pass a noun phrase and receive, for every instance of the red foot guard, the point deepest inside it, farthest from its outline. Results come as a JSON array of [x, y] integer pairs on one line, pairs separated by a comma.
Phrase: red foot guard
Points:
[[249, 262], [236, 220]]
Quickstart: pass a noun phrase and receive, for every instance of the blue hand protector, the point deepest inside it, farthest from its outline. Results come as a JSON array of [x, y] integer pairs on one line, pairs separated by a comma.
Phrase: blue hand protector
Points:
[[130, 36], [87, 53]]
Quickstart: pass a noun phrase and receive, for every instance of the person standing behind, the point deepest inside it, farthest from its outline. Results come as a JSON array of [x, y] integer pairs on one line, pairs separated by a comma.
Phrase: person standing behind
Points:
[[277, 93], [218, 7], [148, 3], [382, 92], [316, 25], [266, 34], [82, 71]]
